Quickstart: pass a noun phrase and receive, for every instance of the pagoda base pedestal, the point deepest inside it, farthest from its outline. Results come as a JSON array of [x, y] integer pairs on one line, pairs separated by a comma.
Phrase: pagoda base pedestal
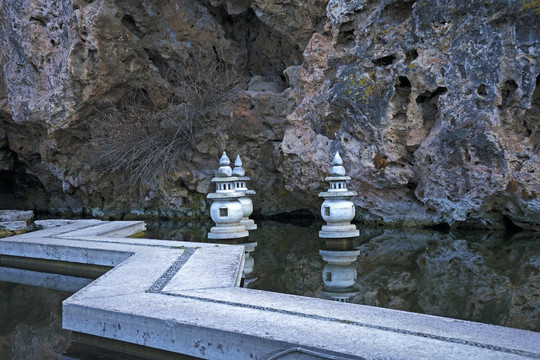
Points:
[[338, 231], [248, 224], [228, 232]]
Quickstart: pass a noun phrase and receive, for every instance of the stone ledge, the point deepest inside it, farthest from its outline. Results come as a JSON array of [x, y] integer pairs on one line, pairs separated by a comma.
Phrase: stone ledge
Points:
[[16, 220], [16, 215]]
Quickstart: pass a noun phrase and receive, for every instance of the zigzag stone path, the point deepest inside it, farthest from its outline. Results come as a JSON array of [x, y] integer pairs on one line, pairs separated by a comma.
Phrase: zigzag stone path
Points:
[[185, 297]]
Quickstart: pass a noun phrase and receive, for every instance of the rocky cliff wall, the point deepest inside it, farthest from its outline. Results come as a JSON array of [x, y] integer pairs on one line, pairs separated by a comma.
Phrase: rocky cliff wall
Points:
[[434, 105]]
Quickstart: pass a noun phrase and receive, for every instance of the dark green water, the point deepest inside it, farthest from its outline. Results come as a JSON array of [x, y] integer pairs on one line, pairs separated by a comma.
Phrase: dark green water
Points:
[[31, 329], [30, 323]]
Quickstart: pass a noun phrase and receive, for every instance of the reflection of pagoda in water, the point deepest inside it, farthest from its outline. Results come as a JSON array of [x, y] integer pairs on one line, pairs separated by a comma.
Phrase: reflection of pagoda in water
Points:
[[249, 260], [339, 275]]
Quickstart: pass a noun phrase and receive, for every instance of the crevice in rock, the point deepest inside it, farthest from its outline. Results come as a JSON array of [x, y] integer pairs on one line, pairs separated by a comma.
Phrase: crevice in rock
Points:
[[530, 118], [385, 60], [397, 12], [411, 55], [268, 53], [400, 102], [77, 4], [39, 20], [507, 92], [443, 227], [481, 102], [130, 24], [21, 191], [429, 101], [159, 62], [510, 227], [329, 126], [404, 83], [346, 34], [481, 90], [409, 154], [301, 217]]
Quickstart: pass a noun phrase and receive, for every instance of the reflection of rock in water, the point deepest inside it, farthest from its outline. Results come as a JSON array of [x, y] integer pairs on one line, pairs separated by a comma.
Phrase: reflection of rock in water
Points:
[[500, 285], [481, 277], [387, 269], [177, 230], [31, 322], [488, 280], [460, 284]]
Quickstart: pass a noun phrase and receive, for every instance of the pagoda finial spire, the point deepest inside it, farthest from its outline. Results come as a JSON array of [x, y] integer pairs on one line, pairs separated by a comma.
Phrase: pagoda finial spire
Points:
[[224, 168], [238, 169], [337, 168]]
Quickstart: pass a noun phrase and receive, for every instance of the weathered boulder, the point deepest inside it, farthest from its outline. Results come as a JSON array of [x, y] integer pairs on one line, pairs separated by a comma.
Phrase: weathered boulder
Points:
[[434, 106]]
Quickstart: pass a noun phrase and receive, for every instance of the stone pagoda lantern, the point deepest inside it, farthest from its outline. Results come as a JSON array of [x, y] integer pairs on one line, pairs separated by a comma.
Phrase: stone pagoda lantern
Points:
[[339, 275], [338, 209], [226, 210], [241, 187]]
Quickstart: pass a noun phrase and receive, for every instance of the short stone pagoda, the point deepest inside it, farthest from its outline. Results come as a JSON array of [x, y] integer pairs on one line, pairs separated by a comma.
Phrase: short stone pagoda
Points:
[[339, 275], [226, 210], [241, 187], [338, 209]]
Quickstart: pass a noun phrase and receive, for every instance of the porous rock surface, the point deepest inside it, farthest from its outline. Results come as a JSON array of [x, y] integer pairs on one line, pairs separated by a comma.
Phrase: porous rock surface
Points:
[[433, 105]]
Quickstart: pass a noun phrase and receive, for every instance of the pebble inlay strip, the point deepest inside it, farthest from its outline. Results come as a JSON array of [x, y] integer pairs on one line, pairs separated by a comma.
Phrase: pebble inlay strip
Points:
[[164, 279], [371, 326]]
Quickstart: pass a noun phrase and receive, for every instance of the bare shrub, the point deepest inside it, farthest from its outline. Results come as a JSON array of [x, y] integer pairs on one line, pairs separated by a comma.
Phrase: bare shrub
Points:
[[147, 142]]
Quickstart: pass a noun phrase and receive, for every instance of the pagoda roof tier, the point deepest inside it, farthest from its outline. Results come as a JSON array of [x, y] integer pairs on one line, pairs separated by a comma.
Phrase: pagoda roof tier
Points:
[[337, 178], [337, 194], [225, 179], [225, 195]]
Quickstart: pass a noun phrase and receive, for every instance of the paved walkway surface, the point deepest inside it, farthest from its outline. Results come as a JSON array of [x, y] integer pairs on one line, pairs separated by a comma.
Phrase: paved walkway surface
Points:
[[184, 297]]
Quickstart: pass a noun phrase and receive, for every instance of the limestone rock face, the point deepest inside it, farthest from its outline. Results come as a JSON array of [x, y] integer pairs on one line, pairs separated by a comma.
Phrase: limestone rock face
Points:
[[434, 106]]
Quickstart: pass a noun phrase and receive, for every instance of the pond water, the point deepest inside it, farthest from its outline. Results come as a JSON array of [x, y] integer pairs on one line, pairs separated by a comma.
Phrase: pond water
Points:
[[490, 277], [31, 328]]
